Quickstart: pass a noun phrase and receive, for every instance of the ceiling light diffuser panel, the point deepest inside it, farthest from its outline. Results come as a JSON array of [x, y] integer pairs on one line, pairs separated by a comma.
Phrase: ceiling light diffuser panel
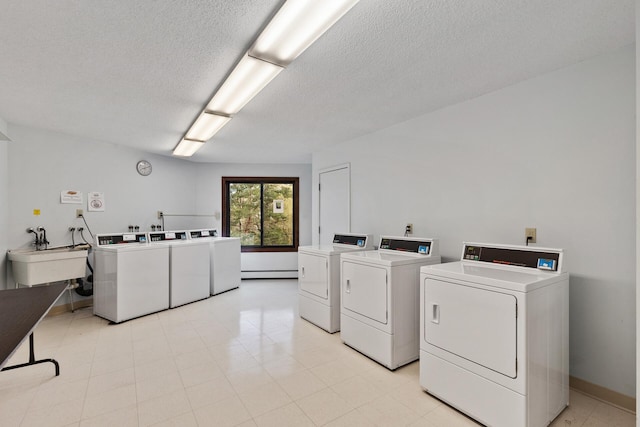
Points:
[[206, 126], [249, 77], [187, 147], [296, 26]]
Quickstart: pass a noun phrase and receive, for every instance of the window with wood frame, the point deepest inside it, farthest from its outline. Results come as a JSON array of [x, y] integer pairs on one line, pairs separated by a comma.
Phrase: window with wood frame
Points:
[[262, 212]]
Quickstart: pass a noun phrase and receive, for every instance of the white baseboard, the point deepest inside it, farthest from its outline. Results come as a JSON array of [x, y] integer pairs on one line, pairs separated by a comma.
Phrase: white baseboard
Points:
[[280, 274]]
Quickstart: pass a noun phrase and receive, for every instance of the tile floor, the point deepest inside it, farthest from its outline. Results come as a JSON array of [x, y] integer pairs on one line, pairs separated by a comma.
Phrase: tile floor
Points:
[[241, 358]]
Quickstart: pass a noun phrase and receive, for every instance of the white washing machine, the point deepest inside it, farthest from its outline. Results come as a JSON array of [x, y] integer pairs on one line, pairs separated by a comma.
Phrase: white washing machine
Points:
[[379, 308], [131, 277], [494, 334], [319, 278], [188, 266], [224, 260]]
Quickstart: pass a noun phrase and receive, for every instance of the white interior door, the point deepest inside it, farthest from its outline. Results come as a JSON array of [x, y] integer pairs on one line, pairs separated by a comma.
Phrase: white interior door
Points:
[[475, 324], [334, 203]]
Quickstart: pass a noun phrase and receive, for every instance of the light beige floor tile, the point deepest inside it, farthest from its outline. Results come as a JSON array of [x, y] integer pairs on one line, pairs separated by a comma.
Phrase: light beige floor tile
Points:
[[184, 420], [109, 401], [123, 417], [54, 391], [112, 364], [264, 398], [59, 414], [194, 358], [105, 382], [158, 386], [301, 384], [288, 415], [155, 368], [351, 419], [445, 416], [386, 411], [613, 416], [210, 392], [334, 372], [384, 378], [227, 412], [163, 408], [412, 396], [357, 391], [249, 378], [200, 373], [324, 406], [283, 367]]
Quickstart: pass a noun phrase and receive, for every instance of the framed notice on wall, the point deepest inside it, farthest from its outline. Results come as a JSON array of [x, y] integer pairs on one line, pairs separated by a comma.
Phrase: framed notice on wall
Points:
[[95, 202]]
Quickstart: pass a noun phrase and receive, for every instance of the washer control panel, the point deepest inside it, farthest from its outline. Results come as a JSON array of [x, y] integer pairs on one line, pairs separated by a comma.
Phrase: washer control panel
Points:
[[196, 234], [519, 256], [121, 239], [408, 245], [359, 240], [167, 235]]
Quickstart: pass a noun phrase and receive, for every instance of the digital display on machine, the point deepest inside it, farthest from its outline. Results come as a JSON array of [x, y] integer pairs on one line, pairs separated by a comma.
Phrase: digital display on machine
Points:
[[546, 264], [343, 239], [415, 246], [508, 256], [203, 233]]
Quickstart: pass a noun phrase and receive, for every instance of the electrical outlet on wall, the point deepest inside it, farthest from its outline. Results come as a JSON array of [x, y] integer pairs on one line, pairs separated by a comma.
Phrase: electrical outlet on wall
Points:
[[79, 213], [530, 235], [409, 229]]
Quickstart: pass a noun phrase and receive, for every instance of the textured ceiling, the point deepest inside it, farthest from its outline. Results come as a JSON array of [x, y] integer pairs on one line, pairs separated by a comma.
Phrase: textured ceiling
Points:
[[137, 73]]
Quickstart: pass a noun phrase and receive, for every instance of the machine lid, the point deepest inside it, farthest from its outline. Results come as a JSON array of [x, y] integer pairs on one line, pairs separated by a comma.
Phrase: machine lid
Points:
[[494, 275], [409, 246], [390, 258], [121, 239], [525, 257]]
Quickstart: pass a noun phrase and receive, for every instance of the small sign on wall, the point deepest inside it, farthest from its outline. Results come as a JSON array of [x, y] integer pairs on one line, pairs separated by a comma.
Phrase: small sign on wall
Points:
[[278, 206], [95, 202], [71, 196]]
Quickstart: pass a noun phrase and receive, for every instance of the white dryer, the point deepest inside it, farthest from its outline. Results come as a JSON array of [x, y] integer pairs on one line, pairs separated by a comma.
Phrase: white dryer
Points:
[[379, 309], [494, 334], [188, 266], [224, 260], [131, 277], [319, 278]]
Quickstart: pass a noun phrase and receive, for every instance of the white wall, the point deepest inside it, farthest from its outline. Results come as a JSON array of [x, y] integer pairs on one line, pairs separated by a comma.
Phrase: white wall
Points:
[[556, 153], [4, 220], [209, 201], [43, 163]]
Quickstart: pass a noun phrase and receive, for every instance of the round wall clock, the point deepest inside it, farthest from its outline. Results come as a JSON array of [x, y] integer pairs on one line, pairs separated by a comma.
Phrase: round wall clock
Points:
[[144, 168]]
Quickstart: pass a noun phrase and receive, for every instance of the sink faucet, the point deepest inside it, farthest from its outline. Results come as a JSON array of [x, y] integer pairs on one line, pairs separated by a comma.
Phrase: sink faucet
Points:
[[43, 238], [37, 240]]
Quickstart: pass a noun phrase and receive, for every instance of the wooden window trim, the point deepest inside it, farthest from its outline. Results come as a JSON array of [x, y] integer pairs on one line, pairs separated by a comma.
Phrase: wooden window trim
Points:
[[226, 180]]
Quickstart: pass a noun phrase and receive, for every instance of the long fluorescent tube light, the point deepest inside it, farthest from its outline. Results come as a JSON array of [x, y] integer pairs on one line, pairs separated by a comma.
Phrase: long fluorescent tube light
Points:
[[187, 147], [296, 26], [206, 126], [245, 81]]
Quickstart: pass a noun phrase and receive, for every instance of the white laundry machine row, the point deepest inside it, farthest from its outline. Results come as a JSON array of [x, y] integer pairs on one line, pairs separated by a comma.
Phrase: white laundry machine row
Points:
[[319, 278], [131, 277], [494, 334], [380, 298], [188, 266], [224, 260]]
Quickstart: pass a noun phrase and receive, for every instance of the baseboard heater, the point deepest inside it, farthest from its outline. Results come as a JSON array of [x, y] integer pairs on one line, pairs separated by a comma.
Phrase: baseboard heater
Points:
[[269, 274]]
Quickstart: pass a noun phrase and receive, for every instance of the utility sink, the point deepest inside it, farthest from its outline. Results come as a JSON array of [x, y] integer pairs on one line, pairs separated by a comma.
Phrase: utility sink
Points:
[[50, 265]]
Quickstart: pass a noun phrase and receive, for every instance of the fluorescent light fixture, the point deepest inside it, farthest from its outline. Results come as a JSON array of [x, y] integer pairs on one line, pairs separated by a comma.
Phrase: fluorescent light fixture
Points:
[[206, 126], [187, 147], [296, 26], [249, 77]]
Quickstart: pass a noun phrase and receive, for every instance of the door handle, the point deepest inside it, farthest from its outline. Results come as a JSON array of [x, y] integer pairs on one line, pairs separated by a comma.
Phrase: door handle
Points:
[[435, 313], [348, 287], [303, 272]]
